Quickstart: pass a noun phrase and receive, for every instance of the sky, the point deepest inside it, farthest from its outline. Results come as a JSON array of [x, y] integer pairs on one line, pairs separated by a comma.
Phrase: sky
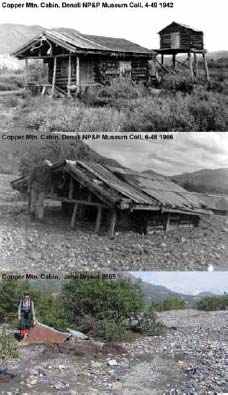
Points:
[[139, 25], [188, 152], [188, 283]]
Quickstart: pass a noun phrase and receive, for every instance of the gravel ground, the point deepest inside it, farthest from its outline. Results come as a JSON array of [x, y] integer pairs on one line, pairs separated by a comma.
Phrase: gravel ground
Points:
[[52, 245], [191, 358]]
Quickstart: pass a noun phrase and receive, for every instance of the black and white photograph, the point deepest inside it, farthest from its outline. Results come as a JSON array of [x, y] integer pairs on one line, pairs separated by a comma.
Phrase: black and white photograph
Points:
[[124, 333], [112, 204], [142, 67]]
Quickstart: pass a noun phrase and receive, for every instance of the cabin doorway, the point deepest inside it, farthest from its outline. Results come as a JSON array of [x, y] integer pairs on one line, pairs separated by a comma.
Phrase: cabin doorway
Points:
[[125, 69], [175, 40], [86, 71]]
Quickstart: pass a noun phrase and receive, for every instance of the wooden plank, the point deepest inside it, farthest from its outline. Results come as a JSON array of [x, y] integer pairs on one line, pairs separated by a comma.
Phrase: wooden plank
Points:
[[53, 77], [69, 77], [196, 65], [174, 61], [71, 188], [98, 220], [190, 65], [146, 208], [167, 223], [206, 67], [77, 71], [112, 223], [81, 202], [73, 218], [26, 73], [95, 189]]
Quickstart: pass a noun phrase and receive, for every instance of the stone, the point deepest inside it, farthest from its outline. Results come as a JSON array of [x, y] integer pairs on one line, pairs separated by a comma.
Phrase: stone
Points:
[[112, 362]]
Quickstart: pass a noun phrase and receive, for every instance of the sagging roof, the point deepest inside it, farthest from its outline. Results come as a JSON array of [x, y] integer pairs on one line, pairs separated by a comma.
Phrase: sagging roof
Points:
[[73, 41], [181, 25], [128, 189], [160, 188], [214, 202], [121, 185]]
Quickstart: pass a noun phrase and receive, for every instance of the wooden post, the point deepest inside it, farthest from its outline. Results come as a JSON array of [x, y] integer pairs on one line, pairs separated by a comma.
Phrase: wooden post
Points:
[[112, 223], [98, 220], [206, 68], [77, 75], [53, 77], [162, 59], [69, 77], [190, 65], [71, 188], [26, 73], [167, 222], [174, 61], [196, 65], [73, 218]]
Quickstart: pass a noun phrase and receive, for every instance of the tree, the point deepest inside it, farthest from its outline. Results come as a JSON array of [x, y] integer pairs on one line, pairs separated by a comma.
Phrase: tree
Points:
[[102, 299]]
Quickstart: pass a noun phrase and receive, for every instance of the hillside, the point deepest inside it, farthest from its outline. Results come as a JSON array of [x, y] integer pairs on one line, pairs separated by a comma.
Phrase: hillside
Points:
[[217, 55], [13, 36], [206, 180], [154, 293]]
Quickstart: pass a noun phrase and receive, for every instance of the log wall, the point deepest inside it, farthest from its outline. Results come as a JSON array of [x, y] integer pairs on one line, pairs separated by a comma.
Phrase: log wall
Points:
[[105, 69], [188, 38]]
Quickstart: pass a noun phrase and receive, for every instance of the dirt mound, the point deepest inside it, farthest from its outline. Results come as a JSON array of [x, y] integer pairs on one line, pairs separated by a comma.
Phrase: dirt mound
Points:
[[87, 348], [114, 348], [82, 349]]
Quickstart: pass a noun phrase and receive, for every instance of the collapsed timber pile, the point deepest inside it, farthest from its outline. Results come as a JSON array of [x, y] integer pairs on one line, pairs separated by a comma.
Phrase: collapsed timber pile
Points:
[[120, 197]]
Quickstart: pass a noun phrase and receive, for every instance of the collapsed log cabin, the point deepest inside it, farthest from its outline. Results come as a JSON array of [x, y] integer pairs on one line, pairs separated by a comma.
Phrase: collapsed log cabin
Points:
[[120, 198], [78, 60], [177, 38], [218, 204]]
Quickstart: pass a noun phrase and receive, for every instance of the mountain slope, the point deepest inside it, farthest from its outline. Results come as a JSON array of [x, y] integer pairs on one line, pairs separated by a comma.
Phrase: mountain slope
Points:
[[13, 36]]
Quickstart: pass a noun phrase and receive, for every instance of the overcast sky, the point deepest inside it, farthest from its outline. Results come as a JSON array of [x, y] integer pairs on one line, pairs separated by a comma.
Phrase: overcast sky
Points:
[[140, 25], [188, 152], [190, 283]]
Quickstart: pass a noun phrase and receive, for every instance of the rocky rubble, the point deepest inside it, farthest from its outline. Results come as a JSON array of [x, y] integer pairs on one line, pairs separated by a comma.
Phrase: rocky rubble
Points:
[[52, 245], [191, 358]]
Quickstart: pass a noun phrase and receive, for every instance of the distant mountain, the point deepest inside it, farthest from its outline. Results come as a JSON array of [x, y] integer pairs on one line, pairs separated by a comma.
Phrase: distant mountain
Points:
[[13, 36], [204, 294], [151, 173], [207, 180], [154, 293]]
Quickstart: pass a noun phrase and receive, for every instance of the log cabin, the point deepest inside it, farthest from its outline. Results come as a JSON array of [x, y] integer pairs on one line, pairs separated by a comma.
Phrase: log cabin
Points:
[[77, 60], [117, 198], [177, 38]]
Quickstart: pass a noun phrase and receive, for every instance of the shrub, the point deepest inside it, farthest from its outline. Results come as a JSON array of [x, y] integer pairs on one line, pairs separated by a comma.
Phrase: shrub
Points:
[[116, 94], [8, 346], [168, 304], [212, 303], [11, 81], [101, 299], [49, 116]]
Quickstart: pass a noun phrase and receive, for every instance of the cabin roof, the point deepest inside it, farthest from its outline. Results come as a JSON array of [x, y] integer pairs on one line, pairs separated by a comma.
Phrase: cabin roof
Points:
[[145, 189], [181, 25], [128, 188], [162, 189], [41, 333], [214, 202], [72, 40]]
